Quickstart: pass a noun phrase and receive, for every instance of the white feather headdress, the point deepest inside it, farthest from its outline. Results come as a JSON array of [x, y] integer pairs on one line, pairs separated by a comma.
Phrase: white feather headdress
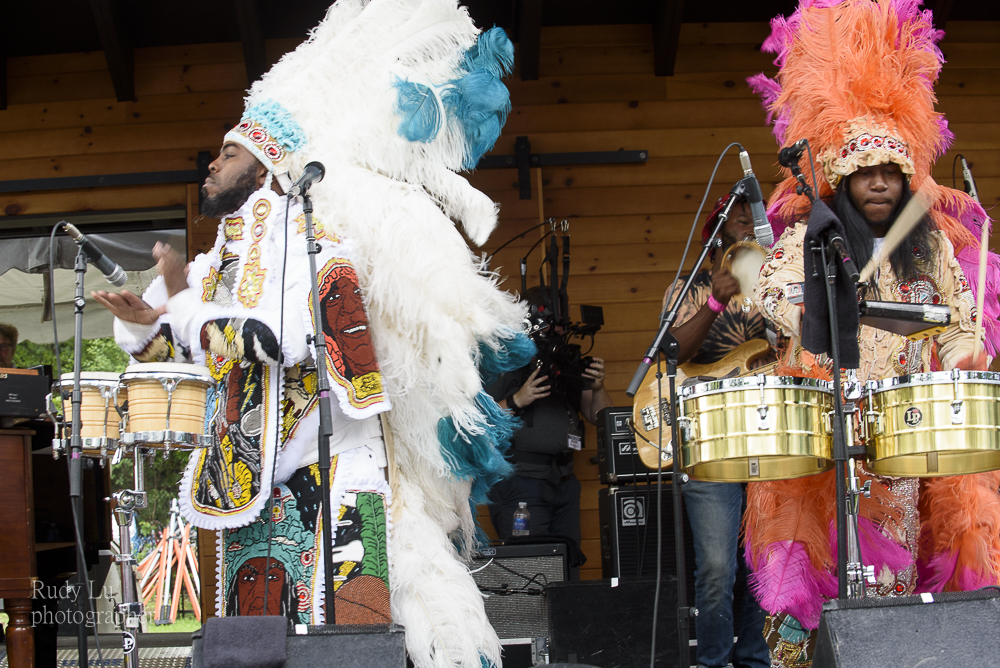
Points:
[[395, 97]]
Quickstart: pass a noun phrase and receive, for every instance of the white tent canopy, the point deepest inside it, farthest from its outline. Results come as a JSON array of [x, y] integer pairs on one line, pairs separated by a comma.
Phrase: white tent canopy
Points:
[[24, 263]]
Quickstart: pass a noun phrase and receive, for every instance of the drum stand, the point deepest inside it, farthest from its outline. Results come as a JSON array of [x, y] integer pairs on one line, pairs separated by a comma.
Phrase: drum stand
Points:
[[130, 610], [666, 342]]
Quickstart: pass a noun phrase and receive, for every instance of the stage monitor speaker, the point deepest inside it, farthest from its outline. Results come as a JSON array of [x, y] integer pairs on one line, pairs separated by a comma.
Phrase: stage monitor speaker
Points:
[[628, 532], [593, 622], [949, 629], [338, 646], [514, 579], [618, 460]]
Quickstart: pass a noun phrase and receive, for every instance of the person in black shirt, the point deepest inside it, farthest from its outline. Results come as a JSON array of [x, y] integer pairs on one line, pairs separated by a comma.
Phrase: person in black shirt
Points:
[[542, 450]]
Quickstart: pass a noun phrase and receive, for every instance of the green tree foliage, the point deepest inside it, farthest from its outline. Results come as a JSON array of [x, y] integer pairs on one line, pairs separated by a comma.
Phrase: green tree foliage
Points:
[[98, 355]]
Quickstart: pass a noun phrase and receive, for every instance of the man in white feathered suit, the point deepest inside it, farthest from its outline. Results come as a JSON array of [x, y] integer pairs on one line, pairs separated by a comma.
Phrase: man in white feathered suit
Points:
[[393, 97]]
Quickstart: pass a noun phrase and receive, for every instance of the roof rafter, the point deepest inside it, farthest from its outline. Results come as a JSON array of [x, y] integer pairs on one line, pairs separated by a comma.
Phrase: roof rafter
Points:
[[667, 15], [252, 36], [117, 46]]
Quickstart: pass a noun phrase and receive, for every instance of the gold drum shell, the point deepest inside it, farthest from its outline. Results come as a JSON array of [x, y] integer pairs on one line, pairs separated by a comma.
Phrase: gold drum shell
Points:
[[915, 431], [725, 439]]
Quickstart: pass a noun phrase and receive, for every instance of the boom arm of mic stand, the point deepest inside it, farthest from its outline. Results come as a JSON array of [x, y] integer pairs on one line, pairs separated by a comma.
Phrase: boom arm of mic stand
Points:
[[671, 317]]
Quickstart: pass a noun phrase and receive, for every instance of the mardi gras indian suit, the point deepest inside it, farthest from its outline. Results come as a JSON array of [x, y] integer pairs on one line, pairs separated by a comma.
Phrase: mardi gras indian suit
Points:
[[393, 97], [856, 78]]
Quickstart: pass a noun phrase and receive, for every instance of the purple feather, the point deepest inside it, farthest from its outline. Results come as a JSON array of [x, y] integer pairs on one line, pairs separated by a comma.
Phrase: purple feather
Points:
[[933, 574], [787, 582], [877, 549]]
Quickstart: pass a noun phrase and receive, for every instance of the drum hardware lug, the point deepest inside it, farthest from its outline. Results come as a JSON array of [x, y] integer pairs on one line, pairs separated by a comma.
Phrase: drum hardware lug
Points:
[[684, 428], [866, 489], [957, 406], [685, 478], [763, 424], [58, 447], [762, 410], [870, 575], [958, 412]]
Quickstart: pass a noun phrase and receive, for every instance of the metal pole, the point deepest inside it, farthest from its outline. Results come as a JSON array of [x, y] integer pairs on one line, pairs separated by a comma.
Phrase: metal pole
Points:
[[130, 610], [325, 416], [75, 462]]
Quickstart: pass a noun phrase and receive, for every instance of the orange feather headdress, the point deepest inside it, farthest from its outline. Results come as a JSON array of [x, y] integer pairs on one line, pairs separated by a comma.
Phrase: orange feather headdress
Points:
[[857, 79]]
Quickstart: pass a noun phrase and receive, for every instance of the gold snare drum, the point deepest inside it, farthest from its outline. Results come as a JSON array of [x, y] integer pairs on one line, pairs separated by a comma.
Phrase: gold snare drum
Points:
[[756, 428], [166, 407], [101, 394], [933, 424]]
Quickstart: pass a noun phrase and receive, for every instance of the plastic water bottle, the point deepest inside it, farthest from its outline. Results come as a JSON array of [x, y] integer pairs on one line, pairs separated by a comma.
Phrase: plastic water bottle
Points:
[[521, 517]]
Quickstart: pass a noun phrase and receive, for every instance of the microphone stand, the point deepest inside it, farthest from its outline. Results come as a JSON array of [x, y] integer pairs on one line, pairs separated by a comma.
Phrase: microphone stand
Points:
[[851, 572], [667, 343], [325, 415], [75, 461]]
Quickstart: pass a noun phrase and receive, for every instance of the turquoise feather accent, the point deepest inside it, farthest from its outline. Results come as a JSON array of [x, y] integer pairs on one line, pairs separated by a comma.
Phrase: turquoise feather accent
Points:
[[478, 99], [512, 353], [493, 51], [278, 122], [479, 457], [417, 106]]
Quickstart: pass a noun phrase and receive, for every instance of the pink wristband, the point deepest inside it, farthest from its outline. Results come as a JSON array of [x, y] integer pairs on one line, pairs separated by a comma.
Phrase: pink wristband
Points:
[[715, 304]]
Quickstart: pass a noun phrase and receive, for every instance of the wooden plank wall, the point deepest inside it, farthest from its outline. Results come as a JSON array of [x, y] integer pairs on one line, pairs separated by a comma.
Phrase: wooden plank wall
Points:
[[629, 223], [596, 92]]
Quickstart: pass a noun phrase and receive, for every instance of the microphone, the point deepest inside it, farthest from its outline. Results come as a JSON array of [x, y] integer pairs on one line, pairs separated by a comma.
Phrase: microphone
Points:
[[761, 227], [969, 183], [313, 173], [116, 275], [789, 156]]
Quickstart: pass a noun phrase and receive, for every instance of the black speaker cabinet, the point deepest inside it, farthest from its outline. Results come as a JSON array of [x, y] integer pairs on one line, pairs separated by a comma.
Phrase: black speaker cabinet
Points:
[[514, 578], [628, 532], [338, 646], [618, 460], [593, 622], [949, 629]]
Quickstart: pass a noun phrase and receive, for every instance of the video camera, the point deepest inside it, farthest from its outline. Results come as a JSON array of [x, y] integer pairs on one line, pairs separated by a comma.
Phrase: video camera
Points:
[[563, 362]]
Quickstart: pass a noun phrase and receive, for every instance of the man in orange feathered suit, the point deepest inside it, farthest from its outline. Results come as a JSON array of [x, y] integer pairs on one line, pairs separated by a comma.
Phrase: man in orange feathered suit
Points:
[[856, 80]]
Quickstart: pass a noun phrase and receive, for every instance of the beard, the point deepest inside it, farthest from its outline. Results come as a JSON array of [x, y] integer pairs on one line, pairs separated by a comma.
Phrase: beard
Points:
[[230, 200]]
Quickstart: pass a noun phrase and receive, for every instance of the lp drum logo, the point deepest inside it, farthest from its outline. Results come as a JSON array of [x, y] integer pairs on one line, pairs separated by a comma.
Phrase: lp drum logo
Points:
[[128, 642], [913, 416], [633, 511]]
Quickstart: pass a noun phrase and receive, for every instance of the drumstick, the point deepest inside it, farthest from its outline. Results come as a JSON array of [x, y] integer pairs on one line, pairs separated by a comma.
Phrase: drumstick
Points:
[[981, 295], [905, 222]]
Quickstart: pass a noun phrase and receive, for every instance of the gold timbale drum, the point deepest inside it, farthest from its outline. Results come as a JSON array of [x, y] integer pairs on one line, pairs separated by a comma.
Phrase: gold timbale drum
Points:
[[756, 428], [933, 424], [166, 407], [101, 397]]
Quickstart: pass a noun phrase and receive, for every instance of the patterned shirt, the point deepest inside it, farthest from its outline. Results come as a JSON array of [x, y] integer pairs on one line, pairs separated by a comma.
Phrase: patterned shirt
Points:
[[940, 280], [738, 324]]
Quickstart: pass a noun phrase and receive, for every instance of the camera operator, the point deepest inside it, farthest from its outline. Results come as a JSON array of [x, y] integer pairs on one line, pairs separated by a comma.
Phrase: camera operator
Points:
[[542, 450]]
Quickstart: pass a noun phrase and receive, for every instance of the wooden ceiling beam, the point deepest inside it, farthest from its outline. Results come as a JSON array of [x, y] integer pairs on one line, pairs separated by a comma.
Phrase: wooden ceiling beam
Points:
[[117, 46], [3, 78], [942, 11], [667, 15], [252, 36], [529, 38]]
